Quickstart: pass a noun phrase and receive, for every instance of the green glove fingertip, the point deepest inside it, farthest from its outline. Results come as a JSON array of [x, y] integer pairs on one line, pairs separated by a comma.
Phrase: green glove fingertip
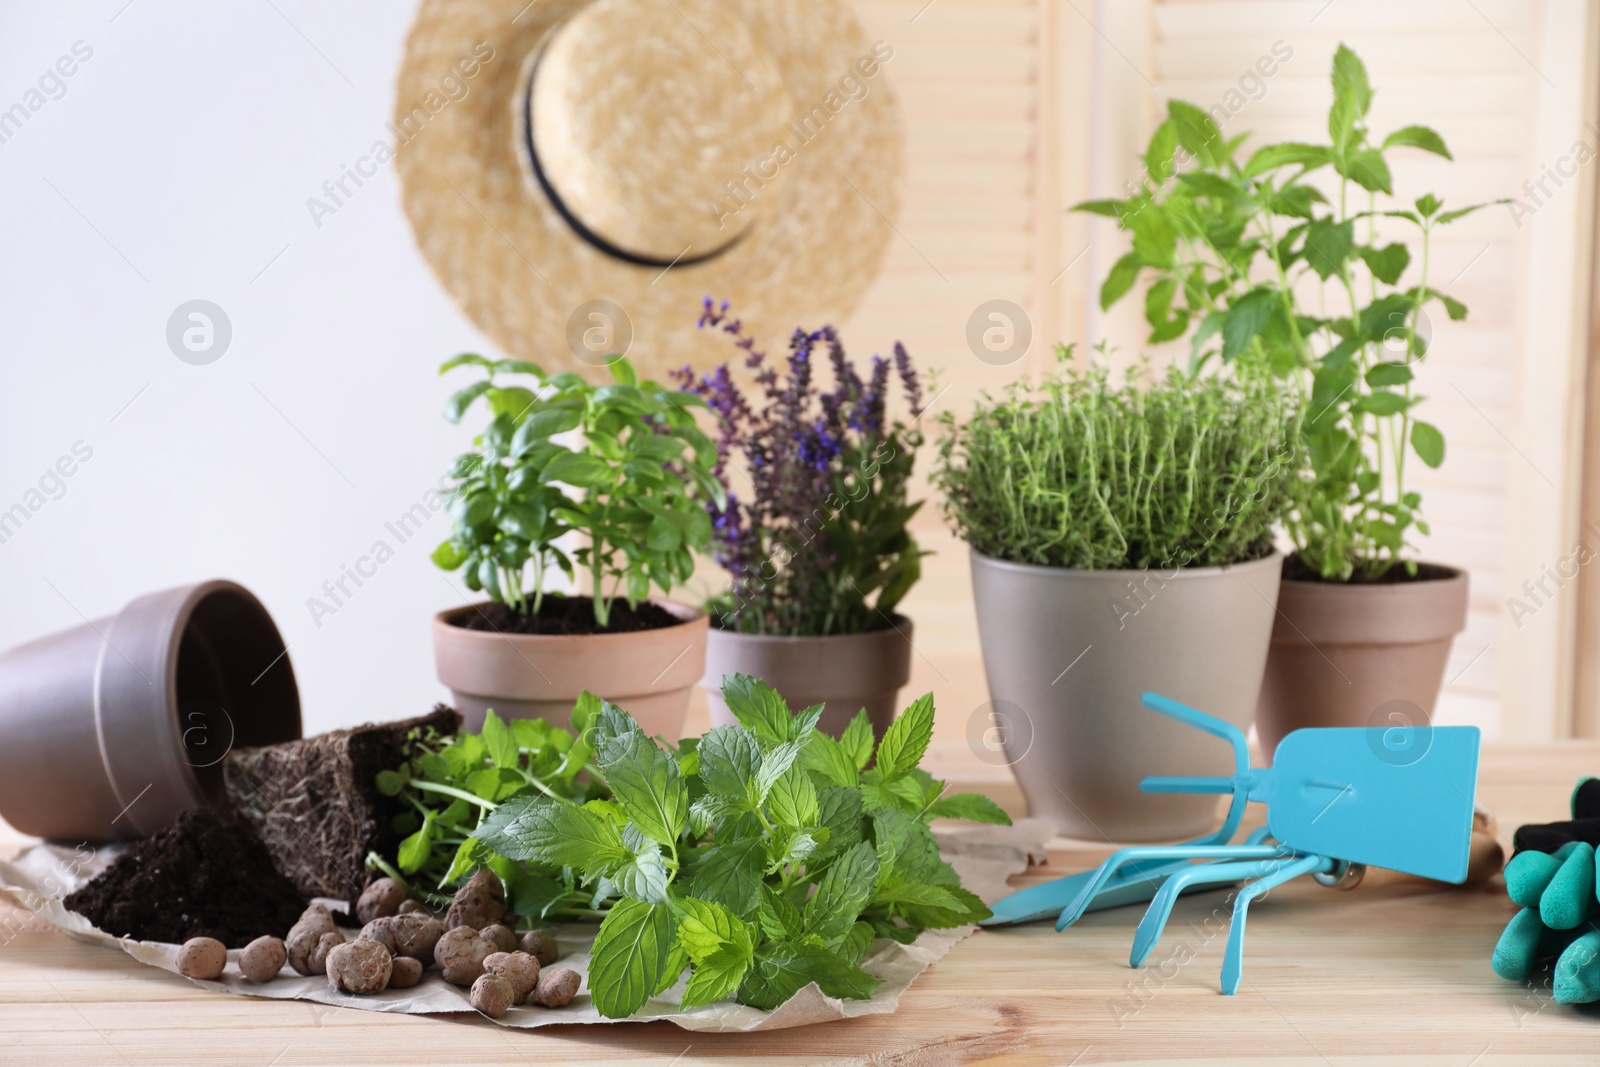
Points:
[[1517, 951], [1577, 978], [1528, 874], [1569, 898]]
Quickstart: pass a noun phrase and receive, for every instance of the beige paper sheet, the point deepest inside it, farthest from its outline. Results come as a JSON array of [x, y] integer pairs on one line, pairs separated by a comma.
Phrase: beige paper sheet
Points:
[[42, 875]]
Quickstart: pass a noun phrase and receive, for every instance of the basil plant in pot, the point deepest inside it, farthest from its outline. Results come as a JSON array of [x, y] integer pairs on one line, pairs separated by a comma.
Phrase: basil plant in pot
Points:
[[816, 549], [1285, 261], [1122, 543], [632, 493]]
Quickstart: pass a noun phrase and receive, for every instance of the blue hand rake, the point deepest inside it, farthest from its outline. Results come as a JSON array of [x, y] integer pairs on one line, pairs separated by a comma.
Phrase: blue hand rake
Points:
[[1338, 800]]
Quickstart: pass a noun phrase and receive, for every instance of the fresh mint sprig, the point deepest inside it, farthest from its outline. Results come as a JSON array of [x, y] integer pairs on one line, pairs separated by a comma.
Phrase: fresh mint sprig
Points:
[[760, 858]]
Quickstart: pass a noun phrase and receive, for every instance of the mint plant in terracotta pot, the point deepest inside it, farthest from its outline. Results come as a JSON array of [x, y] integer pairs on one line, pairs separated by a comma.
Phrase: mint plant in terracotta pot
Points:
[[1122, 543], [816, 547], [631, 490], [1296, 259]]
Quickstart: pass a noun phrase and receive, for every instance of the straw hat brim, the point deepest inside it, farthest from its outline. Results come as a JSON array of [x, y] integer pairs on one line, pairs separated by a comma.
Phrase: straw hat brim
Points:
[[520, 270]]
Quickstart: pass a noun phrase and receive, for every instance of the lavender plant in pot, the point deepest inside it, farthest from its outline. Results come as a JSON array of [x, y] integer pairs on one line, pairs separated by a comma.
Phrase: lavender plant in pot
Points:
[[1250, 257], [817, 550], [633, 491], [1122, 542]]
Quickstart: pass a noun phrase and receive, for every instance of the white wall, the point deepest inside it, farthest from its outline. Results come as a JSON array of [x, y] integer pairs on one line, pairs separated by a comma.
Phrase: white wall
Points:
[[190, 140]]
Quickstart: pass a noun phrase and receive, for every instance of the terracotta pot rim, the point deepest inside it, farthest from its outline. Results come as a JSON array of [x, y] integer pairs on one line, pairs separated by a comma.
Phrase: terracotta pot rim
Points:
[[897, 620], [687, 615], [1275, 557], [1456, 574]]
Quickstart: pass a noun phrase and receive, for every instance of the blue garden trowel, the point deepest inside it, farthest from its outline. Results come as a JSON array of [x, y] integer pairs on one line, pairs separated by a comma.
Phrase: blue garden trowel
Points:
[[1338, 799]]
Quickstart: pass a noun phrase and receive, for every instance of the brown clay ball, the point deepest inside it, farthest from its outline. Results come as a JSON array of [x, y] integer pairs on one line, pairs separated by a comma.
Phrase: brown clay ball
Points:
[[461, 952], [492, 995], [202, 957], [518, 968], [302, 940], [359, 966], [404, 972], [499, 935], [408, 906], [382, 897], [557, 987], [319, 954], [479, 903], [415, 935], [541, 945], [263, 958]]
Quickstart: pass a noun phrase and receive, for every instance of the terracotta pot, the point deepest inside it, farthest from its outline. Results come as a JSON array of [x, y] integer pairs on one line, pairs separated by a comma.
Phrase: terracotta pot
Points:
[[111, 729], [1068, 654], [845, 672], [648, 673], [1359, 655]]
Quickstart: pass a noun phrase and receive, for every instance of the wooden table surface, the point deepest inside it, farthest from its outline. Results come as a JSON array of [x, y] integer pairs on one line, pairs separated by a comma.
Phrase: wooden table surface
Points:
[[1396, 974]]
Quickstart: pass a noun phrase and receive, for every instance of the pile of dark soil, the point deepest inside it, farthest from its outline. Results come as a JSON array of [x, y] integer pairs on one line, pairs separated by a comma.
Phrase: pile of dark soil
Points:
[[566, 615], [206, 875], [315, 803]]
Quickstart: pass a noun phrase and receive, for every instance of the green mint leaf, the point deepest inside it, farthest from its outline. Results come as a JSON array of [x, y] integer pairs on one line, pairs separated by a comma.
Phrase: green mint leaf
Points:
[[1418, 137], [779, 918], [775, 765], [585, 711], [857, 740], [1328, 245], [715, 977], [706, 811], [609, 724], [795, 847], [729, 757], [1124, 272], [677, 960], [841, 894], [502, 744], [785, 970], [646, 783], [967, 908], [644, 876], [793, 799], [804, 722], [827, 760], [918, 893], [758, 707], [729, 873], [906, 739], [629, 957], [705, 927], [857, 942], [974, 807], [839, 812], [542, 830]]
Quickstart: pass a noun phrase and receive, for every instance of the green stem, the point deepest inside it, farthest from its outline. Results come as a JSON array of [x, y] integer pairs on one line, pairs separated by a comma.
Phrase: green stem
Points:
[[452, 791]]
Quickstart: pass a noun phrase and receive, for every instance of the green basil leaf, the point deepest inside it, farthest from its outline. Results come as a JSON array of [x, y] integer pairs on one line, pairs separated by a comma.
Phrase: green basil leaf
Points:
[[1429, 443]]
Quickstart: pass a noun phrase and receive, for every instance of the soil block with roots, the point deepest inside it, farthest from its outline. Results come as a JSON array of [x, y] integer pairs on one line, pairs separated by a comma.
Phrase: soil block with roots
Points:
[[315, 802]]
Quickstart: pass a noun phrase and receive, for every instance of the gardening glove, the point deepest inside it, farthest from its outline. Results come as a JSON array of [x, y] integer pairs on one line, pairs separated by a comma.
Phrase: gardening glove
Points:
[[1583, 826]]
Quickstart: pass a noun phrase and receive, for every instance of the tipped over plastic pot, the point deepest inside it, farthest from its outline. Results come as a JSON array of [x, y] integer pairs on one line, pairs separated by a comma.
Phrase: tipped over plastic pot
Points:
[[112, 728]]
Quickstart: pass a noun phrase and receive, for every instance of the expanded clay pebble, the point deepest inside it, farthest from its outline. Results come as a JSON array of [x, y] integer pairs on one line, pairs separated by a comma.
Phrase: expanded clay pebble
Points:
[[383, 897], [359, 966], [518, 968], [412, 935], [460, 953], [303, 936], [492, 995], [502, 937], [263, 958], [541, 945], [202, 957], [557, 987], [325, 945], [478, 903], [404, 972], [407, 907]]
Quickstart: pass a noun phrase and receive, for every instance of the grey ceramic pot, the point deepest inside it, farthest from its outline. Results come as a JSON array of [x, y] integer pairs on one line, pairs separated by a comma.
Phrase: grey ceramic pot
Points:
[[1068, 654], [845, 672], [112, 728]]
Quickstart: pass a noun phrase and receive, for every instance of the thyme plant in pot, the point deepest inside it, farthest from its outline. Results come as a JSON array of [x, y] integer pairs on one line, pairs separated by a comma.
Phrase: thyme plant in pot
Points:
[[817, 551], [633, 491], [1254, 258], [1122, 542]]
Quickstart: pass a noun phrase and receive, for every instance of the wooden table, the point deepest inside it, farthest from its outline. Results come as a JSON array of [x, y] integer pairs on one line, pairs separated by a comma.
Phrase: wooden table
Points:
[[1396, 974]]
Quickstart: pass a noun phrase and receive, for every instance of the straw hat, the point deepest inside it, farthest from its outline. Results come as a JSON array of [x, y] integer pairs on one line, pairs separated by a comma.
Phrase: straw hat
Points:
[[580, 174]]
